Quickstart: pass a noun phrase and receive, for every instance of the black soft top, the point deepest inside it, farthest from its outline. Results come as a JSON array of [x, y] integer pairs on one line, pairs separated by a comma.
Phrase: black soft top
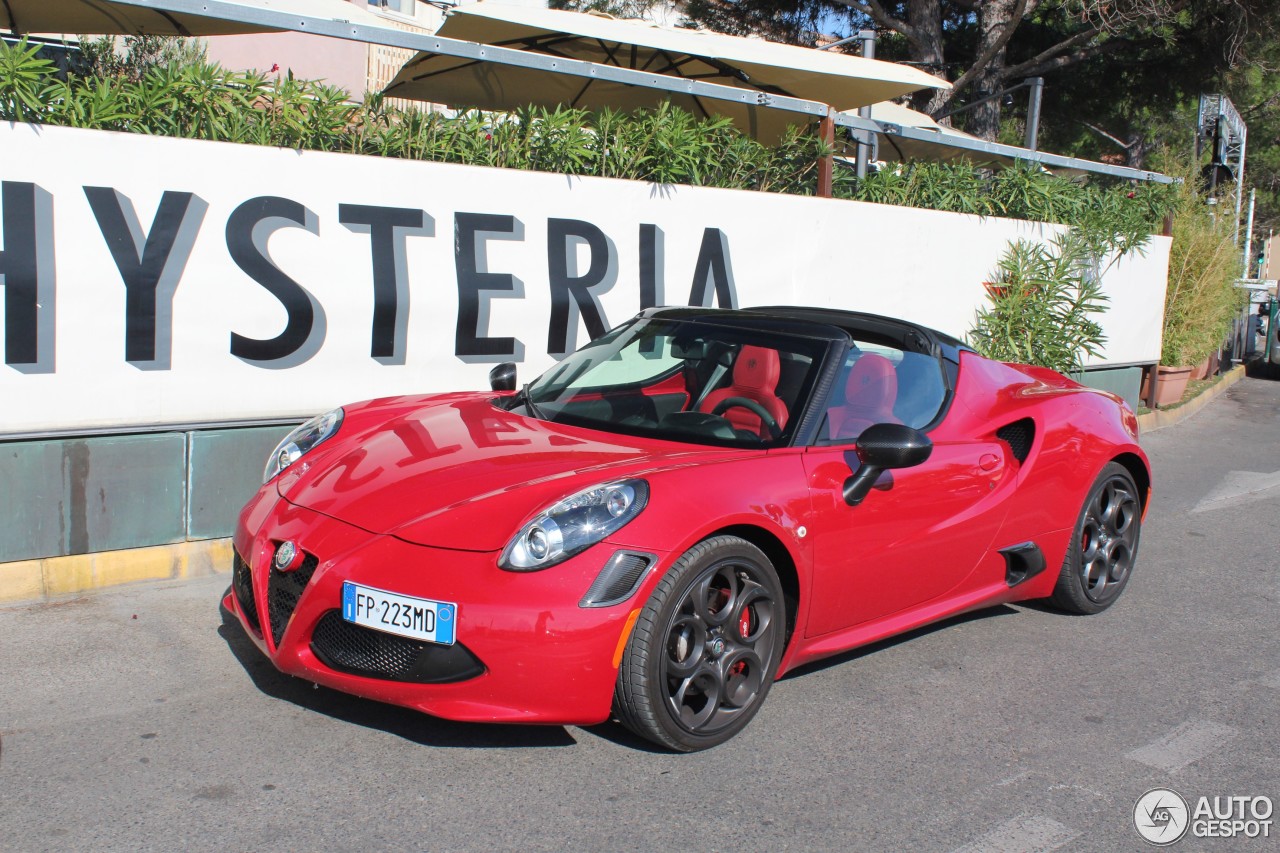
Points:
[[826, 323]]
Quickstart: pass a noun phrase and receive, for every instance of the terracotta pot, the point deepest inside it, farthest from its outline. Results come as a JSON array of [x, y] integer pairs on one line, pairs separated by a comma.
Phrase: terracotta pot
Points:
[[1171, 384], [1206, 369]]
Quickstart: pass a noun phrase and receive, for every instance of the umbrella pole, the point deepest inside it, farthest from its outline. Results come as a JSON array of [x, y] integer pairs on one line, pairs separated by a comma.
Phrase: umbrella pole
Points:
[[826, 165]]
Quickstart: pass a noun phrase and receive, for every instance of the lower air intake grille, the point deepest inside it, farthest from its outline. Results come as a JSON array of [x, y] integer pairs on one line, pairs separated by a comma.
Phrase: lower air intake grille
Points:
[[242, 583], [358, 650], [283, 591], [1020, 435]]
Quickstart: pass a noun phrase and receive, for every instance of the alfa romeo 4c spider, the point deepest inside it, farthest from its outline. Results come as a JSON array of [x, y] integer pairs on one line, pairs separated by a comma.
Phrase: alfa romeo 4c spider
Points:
[[676, 515]]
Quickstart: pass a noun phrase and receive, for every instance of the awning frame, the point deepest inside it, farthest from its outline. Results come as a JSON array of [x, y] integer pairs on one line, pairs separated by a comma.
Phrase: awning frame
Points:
[[812, 110]]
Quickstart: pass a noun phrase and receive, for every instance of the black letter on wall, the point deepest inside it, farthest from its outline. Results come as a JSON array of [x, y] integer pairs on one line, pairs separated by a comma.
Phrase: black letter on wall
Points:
[[150, 265], [387, 228], [248, 229], [28, 274], [475, 283], [651, 267], [573, 295], [713, 268]]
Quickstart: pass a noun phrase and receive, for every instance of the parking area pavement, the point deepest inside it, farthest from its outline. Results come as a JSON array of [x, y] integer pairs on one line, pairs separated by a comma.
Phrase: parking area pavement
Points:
[[143, 719]]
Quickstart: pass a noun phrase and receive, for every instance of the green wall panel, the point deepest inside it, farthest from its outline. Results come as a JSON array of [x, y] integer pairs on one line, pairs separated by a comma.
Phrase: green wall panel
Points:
[[226, 469], [82, 495], [1125, 381]]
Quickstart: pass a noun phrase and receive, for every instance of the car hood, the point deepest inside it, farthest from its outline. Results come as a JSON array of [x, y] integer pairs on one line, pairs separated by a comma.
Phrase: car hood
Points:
[[459, 472]]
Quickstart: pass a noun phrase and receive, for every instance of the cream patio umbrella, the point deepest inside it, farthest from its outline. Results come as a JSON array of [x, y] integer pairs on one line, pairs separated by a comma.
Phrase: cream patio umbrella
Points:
[[103, 17], [842, 81], [896, 148]]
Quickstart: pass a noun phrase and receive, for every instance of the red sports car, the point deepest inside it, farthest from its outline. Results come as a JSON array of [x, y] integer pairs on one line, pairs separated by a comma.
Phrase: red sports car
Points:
[[677, 514]]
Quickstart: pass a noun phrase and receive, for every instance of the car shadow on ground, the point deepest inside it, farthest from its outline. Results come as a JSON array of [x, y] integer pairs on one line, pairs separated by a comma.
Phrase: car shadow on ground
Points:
[[402, 722], [619, 734], [432, 731], [900, 639]]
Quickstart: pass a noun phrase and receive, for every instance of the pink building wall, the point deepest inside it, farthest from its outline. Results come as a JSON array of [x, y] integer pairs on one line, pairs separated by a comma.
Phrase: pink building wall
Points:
[[350, 65], [335, 61]]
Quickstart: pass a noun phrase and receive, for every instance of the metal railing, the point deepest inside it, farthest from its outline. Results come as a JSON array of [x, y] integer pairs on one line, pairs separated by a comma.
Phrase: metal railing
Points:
[[814, 110]]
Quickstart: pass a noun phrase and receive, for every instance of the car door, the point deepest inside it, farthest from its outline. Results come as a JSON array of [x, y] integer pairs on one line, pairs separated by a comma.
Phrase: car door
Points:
[[921, 532]]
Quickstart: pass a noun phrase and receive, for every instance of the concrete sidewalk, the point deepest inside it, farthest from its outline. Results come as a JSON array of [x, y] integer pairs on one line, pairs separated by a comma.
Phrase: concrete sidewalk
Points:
[[1161, 418]]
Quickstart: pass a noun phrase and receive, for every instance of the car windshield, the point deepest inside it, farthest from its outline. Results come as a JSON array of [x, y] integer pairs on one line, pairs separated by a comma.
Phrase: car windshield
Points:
[[684, 381]]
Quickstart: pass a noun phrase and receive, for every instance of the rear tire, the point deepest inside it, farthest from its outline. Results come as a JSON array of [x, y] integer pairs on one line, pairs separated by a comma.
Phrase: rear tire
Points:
[[705, 649], [1104, 544]]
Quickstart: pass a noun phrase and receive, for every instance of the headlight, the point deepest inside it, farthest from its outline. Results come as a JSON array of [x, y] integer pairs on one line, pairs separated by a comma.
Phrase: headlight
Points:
[[574, 524], [300, 441]]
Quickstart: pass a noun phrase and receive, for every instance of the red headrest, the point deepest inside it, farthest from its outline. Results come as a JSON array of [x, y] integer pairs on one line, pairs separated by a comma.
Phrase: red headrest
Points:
[[757, 368], [872, 384]]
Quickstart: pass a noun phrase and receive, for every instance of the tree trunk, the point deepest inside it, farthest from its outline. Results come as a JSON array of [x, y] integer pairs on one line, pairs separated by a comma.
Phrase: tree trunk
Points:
[[1135, 155], [924, 17], [994, 18]]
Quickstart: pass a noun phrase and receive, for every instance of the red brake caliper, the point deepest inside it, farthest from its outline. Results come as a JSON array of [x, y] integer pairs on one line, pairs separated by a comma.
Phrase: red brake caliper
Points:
[[744, 631]]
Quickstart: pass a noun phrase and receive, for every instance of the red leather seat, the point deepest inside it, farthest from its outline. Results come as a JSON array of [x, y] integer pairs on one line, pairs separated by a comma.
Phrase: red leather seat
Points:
[[755, 377], [870, 391]]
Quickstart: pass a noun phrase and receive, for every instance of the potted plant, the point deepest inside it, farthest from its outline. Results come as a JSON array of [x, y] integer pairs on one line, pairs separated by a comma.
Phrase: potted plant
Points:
[[1045, 298]]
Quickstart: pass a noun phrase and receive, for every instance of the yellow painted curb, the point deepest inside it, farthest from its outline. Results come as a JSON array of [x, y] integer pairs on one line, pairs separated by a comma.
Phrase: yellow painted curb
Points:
[[35, 580], [1162, 418]]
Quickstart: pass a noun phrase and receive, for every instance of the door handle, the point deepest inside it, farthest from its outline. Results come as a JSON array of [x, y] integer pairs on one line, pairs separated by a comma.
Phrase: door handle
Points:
[[988, 462]]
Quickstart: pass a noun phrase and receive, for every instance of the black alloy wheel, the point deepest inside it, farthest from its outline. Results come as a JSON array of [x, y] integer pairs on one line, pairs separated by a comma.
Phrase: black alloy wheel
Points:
[[705, 649], [1104, 545]]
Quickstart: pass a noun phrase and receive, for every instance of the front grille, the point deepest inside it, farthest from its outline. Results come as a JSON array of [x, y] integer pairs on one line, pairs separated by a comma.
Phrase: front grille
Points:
[[358, 650], [283, 591], [1019, 434], [242, 583]]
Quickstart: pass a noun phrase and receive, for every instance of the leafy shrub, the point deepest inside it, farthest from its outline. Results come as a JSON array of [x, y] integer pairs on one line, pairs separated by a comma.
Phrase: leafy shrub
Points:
[[132, 57], [1023, 191], [1202, 299], [1043, 303], [1045, 299]]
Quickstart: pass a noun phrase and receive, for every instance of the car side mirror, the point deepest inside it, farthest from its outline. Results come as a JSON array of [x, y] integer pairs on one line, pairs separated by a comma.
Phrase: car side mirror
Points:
[[882, 447], [503, 377]]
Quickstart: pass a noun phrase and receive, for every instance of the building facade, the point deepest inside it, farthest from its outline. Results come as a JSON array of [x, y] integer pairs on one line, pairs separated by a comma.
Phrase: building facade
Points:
[[353, 66]]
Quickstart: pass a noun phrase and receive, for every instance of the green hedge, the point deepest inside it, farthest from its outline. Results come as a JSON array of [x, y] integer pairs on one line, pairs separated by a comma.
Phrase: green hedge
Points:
[[194, 99]]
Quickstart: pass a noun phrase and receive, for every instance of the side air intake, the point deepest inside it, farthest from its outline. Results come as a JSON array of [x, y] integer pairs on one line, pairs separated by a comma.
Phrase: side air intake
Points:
[[1022, 562], [618, 580], [1020, 435]]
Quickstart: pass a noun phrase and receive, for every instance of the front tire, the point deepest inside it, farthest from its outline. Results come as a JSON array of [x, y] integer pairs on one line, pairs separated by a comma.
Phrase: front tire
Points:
[[1104, 544], [705, 649]]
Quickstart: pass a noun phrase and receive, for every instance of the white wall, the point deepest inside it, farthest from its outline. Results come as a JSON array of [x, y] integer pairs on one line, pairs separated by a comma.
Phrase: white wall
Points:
[[925, 266]]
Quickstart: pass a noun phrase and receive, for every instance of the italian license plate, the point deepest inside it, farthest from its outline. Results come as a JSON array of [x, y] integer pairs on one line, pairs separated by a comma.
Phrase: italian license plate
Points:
[[419, 618]]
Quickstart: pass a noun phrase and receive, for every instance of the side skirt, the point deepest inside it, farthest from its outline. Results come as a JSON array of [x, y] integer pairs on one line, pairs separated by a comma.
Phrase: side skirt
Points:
[[808, 650]]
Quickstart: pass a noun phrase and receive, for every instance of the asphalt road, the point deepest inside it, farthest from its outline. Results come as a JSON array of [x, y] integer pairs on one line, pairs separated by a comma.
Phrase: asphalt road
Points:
[[140, 720]]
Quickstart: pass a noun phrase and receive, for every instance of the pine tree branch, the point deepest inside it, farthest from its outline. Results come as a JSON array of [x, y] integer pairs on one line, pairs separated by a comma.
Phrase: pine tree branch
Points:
[[980, 65], [873, 10], [1031, 69], [1117, 140], [1022, 69]]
